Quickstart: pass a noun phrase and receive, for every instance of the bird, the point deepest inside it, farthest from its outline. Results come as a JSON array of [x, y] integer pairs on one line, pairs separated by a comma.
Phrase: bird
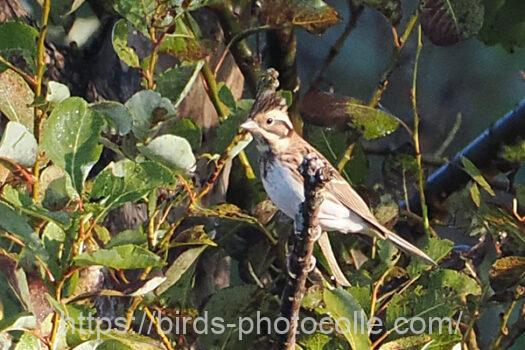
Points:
[[282, 150]]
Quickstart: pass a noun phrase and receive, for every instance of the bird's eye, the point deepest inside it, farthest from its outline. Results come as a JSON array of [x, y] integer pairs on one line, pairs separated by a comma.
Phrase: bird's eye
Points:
[[269, 121]]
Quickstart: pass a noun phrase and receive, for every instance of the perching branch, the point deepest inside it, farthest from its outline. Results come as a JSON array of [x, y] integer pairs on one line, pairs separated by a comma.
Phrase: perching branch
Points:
[[307, 230], [481, 151]]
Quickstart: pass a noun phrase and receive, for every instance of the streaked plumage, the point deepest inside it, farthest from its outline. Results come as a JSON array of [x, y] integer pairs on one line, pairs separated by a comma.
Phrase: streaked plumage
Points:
[[282, 151]]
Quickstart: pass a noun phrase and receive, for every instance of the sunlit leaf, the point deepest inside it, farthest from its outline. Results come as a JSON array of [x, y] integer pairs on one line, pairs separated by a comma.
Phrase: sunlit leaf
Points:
[[172, 151], [56, 92], [70, 139], [18, 144], [15, 98], [374, 122], [341, 305], [140, 13], [474, 194], [120, 44], [136, 237], [475, 174], [127, 181], [313, 15], [148, 108], [126, 256]]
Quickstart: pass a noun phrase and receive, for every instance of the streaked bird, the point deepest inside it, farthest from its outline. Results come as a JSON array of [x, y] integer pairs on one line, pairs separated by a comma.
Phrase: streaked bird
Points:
[[282, 151]]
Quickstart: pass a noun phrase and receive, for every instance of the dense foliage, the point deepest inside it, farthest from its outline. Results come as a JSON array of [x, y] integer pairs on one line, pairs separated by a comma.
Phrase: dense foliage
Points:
[[131, 197]]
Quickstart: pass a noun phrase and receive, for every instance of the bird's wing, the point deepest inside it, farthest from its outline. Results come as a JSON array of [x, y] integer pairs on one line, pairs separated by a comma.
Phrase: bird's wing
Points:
[[345, 194]]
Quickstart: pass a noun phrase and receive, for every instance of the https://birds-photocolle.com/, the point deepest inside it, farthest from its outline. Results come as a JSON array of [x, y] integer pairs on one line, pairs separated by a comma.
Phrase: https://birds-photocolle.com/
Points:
[[281, 152]]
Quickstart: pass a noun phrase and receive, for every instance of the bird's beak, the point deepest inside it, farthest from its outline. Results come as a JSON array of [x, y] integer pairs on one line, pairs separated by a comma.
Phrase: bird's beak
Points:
[[249, 125]]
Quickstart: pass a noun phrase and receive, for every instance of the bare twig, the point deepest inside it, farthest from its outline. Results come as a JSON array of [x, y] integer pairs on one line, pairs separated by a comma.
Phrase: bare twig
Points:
[[399, 44], [450, 137], [307, 230], [417, 146], [353, 15]]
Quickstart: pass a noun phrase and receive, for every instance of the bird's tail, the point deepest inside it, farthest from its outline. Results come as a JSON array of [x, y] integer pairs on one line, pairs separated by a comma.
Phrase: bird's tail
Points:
[[406, 246], [326, 249]]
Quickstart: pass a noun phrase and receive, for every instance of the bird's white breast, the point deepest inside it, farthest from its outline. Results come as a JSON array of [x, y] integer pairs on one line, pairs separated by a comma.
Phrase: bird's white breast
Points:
[[286, 193]]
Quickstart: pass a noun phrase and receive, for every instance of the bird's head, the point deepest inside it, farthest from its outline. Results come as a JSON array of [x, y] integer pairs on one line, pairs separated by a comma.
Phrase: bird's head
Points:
[[269, 122]]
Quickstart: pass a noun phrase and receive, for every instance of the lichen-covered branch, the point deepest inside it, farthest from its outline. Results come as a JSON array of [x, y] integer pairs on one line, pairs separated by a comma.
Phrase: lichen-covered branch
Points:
[[301, 262]]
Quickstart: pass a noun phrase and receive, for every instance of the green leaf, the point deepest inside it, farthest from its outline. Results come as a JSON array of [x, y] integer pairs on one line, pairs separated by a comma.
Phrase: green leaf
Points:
[[507, 272], [320, 341], [140, 13], [15, 98], [115, 339], [18, 38], [18, 144], [432, 341], [146, 108], [459, 282], [230, 304], [351, 319], [57, 92], [172, 151], [28, 342], [70, 139], [17, 224], [374, 122], [186, 259], [126, 256], [504, 23], [313, 15], [57, 188], [436, 249], [474, 194], [447, 22], [226, 96], [117, 117], [175, 83], [21, 322], [120, 44], [136, 236], [514, 153], [227, 130], [391, 9], [183, 45], [126, 181], [24, 203], [188, 129], [475, 174]]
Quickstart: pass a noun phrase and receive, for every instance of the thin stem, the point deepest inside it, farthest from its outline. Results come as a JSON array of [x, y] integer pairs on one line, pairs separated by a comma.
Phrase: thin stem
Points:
[[39, 113], [417, 146], [399, 44], [353, 15], [213, 92], [158, 328]]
